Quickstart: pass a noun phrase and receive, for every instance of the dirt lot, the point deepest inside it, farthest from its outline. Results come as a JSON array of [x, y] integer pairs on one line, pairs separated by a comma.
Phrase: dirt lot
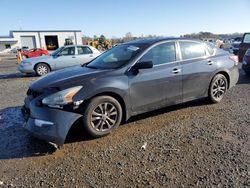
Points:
[[194, 144]]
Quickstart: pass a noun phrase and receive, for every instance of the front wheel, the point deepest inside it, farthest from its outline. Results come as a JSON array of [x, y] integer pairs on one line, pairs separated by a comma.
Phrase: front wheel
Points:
[[101, 116], [217, 88], [42, 69]]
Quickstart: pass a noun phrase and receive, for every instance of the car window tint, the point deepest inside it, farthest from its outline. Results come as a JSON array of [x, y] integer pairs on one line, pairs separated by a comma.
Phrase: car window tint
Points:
[[246, 38], [83, 50], [190, 50], [160, 54], [68, 51]]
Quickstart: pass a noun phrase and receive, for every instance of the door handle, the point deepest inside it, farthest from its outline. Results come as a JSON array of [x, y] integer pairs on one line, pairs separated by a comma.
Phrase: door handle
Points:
[[176, 71], [210, 62], [90, 55], [73, 57]]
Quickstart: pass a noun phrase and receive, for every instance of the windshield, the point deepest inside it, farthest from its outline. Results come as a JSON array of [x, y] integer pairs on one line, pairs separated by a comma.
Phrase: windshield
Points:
[[57, 51], [116, 57]]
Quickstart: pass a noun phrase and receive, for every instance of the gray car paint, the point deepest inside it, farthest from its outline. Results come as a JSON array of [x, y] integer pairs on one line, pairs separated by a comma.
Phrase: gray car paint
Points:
[[140, 91]]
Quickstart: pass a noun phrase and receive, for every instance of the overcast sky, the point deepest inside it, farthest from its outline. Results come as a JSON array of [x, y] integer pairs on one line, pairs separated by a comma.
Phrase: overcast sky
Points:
[[117, 17]]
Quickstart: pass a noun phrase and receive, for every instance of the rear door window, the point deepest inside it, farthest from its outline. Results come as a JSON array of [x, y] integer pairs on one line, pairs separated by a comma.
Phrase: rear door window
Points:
[[82, 50], [246, 38], [192, 50]]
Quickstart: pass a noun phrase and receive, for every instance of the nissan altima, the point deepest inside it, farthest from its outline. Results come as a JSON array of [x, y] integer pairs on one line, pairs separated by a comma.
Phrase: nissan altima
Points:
[[131, 78]]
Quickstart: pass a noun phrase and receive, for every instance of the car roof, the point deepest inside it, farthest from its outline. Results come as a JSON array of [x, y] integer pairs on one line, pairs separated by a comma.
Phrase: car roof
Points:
[[73, 45], [151, 41]]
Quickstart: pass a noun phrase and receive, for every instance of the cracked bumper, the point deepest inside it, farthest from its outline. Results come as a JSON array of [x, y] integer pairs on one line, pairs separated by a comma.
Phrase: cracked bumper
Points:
[[51, 125]]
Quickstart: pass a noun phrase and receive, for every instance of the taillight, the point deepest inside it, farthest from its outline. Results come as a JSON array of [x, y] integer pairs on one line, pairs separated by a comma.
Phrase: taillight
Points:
[[234, 58]]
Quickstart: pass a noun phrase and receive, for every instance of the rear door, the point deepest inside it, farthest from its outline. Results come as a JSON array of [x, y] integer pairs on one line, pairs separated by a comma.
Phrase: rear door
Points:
[[158, 86], [66, 58], [85, 55], [197, 68]]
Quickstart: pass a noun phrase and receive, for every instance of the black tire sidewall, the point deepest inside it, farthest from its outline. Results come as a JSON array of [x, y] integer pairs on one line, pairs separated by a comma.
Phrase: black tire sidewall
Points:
[[87, 112], [42, 64], [210, 93]]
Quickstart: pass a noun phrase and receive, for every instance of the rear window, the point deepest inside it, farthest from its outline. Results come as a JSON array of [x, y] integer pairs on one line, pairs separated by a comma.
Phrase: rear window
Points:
[[246, 38]]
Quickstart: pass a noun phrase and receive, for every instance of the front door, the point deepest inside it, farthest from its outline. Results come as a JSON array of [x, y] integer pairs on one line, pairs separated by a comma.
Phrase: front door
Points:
[[66, 58], [158, 86]]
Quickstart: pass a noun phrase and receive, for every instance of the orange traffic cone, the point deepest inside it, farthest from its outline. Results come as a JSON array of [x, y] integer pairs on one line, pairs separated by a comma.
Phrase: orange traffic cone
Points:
[[19, 57]]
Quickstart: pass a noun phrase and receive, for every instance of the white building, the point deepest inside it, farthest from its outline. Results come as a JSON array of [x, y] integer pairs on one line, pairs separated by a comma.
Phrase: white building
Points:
[[47, 39]]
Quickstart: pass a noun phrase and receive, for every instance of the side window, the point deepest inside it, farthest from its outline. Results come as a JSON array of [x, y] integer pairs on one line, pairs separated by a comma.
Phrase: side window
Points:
[[160, 54], [68, 51], [83, 50], [246, 38], [190, 50]]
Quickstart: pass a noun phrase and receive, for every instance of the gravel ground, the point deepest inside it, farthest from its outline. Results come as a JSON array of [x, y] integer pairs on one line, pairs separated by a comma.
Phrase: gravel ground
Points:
[[189, 145]]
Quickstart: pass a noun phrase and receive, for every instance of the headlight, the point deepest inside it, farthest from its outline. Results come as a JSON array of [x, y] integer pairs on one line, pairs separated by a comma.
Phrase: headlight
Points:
[[247, 52], [62, 97]]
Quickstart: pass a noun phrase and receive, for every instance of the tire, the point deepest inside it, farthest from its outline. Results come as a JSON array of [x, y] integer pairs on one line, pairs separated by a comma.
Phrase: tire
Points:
[[99, 47], [42, 69], [218, 88], [97, 121]]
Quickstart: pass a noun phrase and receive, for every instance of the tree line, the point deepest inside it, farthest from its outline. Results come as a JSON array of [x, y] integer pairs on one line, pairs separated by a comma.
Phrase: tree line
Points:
[[129, 37]]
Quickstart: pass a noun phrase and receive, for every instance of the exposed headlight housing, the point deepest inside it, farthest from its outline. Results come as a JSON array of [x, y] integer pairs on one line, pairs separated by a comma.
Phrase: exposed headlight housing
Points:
[[62, 97]]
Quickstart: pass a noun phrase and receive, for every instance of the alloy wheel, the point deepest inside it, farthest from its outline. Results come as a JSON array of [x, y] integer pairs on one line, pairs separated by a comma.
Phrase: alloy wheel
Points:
[[104, 117], [219, 88], [42, 70]]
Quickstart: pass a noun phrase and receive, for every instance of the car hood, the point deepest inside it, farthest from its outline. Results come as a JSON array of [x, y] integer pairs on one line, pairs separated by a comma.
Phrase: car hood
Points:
[[66, 77]]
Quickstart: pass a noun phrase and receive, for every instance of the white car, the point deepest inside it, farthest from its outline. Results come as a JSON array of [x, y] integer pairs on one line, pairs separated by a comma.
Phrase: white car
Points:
[[63, 57]]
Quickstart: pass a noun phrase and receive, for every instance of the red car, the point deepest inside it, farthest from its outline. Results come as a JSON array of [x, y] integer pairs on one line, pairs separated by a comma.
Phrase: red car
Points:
[[34, 53]]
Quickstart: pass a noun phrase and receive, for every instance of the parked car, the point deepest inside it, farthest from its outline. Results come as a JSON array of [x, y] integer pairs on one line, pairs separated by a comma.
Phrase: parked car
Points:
[[245, 44], [236, 45], [246, 62], [63, 57], [129, 79], [35, 52]]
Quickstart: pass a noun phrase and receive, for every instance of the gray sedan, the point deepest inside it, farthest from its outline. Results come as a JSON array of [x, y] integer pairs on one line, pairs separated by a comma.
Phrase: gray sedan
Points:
[[63, 57]]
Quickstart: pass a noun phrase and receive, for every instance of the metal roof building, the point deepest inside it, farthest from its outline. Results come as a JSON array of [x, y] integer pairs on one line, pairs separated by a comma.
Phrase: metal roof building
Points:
[[47, 39]]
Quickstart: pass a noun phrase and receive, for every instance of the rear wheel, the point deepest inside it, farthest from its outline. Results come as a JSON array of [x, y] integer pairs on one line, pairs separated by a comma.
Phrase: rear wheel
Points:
[[218, 88], [101, 116], [42, 69]]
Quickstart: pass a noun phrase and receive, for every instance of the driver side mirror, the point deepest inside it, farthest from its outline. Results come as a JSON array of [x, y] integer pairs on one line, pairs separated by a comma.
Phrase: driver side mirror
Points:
[[143, 65]]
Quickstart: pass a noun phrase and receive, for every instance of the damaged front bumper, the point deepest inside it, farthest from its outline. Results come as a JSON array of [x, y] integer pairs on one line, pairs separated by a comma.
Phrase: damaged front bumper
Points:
[[49, 124]]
